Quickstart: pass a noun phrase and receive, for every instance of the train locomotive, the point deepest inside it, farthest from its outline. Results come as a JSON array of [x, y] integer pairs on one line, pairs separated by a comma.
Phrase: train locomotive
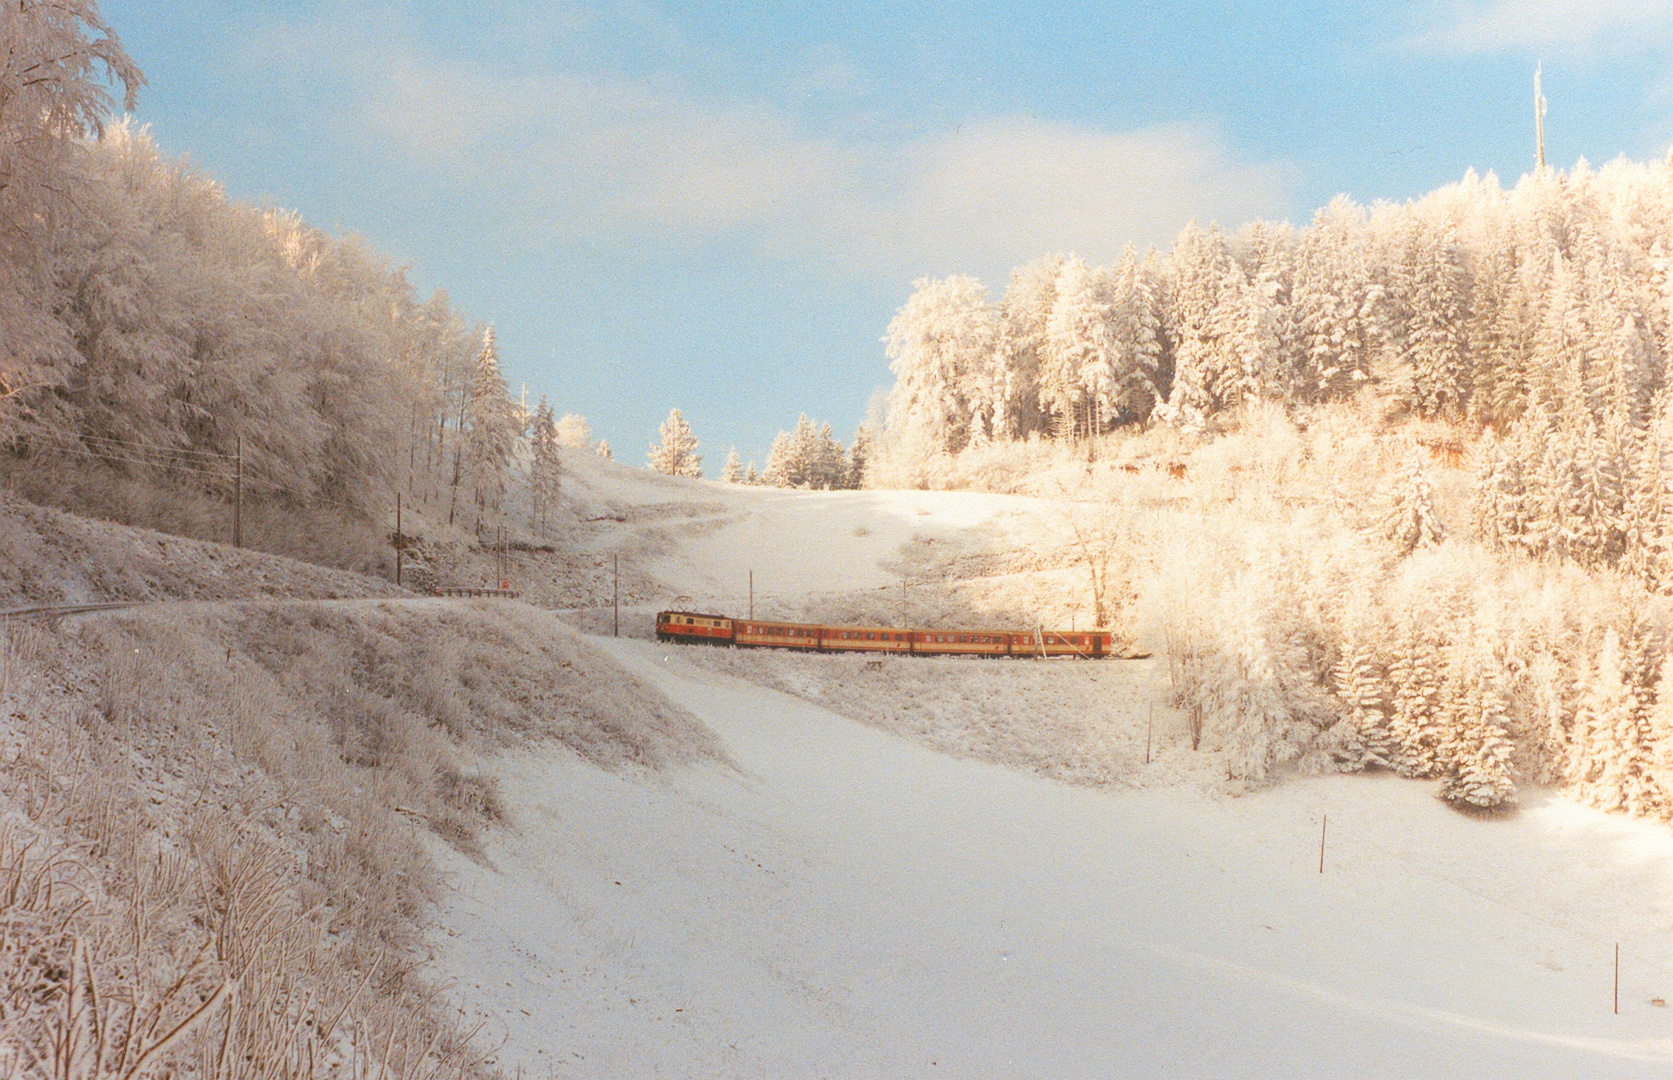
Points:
[[699, 628]]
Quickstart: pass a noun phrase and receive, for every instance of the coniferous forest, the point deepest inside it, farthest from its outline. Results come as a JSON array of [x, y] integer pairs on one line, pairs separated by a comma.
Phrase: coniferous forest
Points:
[[1431, 524]]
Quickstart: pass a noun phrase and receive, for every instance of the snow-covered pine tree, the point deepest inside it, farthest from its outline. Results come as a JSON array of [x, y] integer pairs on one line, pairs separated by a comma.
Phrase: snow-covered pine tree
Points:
[[733, 471], [1243, 696], [1414, 678], [1023, 314], [1197, 321], [1558, 364], [1409, 519], [943, 333], [603, 450], [491, 430], [782, 465], [1338, 302], [1435, 288], [1081, 353], [1475, 751], [859, 454], [1499, 505], [1610, 745], [751, 477], [1267, 253], [677, 454], [546, 469], [1139, 376], [1359, 686], [808, 457], [574, 431], [1659, 767], [1251, 341]]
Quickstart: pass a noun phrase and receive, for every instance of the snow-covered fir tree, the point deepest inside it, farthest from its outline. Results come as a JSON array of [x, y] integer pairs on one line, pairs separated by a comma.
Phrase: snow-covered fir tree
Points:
[[491, 430], [1475, 751], [1435, 293], [1409, 519], [676, 454], [574, 431], [1415, 678], [545, 469], [733, 471], [859, 455], [808, 457], [939, 341]]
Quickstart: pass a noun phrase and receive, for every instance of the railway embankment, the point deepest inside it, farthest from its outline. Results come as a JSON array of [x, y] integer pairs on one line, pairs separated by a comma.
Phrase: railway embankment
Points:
[[229, 809]]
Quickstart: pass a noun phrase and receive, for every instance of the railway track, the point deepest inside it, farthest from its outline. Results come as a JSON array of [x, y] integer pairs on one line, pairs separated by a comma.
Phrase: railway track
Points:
[[54, 610]]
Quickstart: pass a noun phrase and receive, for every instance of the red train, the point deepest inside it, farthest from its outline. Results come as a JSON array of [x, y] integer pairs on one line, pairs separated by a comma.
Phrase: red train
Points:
[[697, 628]]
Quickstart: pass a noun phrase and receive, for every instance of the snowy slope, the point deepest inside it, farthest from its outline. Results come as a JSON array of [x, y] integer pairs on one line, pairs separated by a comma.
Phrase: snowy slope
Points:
[[848, 904], [693, 543]]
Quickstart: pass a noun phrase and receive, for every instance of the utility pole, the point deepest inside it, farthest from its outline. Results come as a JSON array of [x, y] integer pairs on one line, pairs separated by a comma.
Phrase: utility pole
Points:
[[616, 600], [752, 596], [400, 541], [238, 497], [1539, 122]]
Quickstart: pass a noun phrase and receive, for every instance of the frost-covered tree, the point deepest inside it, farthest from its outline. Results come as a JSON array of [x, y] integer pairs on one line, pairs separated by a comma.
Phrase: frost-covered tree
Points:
[[1359, 685], [1415, 678], [1500, 509], [58, 59], [808, 457], [574, 431], [491, 429], [1434, 285], [677, 454], [603, 450], [859, 456], [1475, 748], [1202, 270], [1612, 745], [1338, 302], [1410, 519], [733, 471], [939, 342], [1081, 355], [546, 469], [1023, 314]]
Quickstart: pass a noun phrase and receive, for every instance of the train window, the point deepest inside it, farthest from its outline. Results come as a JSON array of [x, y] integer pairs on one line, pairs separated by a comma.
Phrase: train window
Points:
[[871, 635]]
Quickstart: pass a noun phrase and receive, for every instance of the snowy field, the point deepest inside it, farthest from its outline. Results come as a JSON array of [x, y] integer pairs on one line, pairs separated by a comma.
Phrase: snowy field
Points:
[[842, 901], [848, 904]]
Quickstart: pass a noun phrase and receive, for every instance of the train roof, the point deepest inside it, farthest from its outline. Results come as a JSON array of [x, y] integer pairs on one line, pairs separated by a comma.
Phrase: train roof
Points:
[[693, 614]]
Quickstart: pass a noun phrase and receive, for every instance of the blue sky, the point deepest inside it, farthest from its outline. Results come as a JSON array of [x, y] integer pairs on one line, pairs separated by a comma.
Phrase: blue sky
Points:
[[719, 206]]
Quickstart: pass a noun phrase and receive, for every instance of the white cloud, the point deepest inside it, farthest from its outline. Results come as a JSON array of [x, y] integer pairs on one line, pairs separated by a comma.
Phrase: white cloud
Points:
[[1005, 190], [1574, 27], [588, 157]]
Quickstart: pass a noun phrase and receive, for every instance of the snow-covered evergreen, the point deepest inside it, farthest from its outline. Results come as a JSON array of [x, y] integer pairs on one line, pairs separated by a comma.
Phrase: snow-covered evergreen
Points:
[[676, 454]]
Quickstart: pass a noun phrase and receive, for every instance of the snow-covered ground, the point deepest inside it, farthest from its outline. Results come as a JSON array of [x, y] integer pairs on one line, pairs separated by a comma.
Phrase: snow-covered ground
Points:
[[849, 904], [704, 539], [839, 901]]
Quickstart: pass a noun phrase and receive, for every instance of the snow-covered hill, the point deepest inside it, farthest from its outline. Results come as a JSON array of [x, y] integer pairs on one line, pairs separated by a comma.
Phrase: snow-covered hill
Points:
[[840, 901]]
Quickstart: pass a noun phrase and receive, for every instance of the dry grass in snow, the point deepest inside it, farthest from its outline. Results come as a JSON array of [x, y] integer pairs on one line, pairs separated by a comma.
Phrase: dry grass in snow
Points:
[[49, 556], [212, 853]]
